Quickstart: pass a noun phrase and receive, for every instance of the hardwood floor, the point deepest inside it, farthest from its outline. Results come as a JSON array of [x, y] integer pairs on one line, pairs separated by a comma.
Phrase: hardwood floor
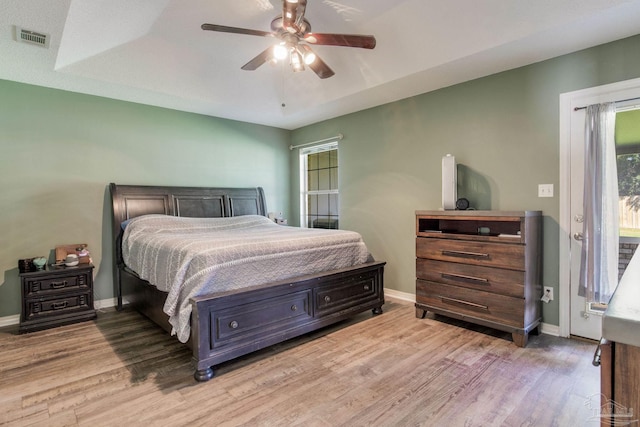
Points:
[[387, 370]]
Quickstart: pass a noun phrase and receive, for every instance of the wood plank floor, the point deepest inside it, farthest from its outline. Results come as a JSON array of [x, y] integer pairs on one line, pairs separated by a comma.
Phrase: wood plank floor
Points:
[[387, 370]]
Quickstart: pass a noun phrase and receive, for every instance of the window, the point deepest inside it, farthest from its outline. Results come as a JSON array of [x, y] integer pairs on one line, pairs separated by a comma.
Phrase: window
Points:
[[319, 186], [628, 153]]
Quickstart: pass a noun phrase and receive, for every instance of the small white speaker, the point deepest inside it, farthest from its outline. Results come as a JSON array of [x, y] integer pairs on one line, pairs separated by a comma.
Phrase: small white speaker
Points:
[[449, 183]]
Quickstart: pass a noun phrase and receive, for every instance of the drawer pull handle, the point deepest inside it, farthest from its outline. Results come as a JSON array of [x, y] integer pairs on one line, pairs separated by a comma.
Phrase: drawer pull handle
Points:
[[294, 307], [233, 325], [59, 305], [366, 287], [327, 298], [463, 278], [58, 285], [464, 254], [459, 301]]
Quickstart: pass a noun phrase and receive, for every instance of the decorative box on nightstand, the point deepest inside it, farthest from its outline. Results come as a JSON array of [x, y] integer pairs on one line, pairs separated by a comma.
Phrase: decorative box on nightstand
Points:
[[56, 296]]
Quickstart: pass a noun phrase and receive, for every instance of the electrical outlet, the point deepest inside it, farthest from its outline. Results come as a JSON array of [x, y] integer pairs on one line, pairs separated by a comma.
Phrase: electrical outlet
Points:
[[548, 292]]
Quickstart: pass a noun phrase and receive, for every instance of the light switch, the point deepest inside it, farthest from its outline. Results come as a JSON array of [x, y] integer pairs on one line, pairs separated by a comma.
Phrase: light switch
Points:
[[545, 190]]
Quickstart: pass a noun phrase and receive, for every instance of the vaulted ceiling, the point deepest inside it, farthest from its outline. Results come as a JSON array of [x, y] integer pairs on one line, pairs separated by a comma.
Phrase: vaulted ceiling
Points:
[[154, 51]]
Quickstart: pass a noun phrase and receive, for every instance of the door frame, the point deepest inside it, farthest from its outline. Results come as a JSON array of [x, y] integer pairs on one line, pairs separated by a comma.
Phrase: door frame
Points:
[[568, 101]]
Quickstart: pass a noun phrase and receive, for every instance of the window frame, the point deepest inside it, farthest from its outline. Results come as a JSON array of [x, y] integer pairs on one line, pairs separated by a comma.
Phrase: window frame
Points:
[[304, 178]]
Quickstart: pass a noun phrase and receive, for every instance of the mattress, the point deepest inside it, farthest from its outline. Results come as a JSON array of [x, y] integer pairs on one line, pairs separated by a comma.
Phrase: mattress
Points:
[[188, 257]]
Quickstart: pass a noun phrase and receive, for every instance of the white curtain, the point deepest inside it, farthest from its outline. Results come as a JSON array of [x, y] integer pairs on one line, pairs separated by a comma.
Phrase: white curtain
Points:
[[599, 267]]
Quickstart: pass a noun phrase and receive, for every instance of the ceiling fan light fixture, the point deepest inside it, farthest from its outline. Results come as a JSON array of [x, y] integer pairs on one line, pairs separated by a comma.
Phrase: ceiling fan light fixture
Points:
[[280, 51], [296, 61], [308, 55]]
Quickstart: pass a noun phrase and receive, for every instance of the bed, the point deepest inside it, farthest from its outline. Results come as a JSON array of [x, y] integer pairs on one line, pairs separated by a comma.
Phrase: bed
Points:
[[227, 324]]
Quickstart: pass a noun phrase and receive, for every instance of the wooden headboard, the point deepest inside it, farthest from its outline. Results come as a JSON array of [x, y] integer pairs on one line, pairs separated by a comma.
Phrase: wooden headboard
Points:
[[130, 201]]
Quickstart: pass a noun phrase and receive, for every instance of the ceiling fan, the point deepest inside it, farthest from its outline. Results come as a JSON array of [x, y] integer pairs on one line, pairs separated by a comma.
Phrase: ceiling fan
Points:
[[294, 33]]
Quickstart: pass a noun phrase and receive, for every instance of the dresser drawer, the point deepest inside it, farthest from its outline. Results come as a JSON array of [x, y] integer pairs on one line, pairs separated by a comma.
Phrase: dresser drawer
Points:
[[485, 305], [502, 255], [489, 279], [55, 306], [34, 287], [258, 318]]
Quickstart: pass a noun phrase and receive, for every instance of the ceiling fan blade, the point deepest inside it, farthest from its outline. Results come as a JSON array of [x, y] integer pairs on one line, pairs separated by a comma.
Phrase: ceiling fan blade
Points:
[[293, 15], [321, 68], [265, 56], [348, 40], [236, 30]]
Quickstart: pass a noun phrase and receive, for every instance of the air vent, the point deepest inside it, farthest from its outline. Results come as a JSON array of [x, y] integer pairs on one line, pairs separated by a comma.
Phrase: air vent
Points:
[[32, 37]]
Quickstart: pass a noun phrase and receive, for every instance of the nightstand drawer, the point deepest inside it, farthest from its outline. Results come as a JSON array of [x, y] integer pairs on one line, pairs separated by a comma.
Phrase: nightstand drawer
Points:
[[43, 307], [37, 287], [484, 305], [489, 279], [500, 255]]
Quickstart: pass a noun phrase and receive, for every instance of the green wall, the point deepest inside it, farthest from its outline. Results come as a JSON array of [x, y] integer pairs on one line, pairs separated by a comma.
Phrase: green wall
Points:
[[504, 132], [60, 150]]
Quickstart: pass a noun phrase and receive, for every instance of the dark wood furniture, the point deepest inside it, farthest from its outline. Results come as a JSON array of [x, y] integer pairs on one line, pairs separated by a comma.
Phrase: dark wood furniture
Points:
[[619, 383], [230, 324], [56, 296], [481, 266], [618, 353]]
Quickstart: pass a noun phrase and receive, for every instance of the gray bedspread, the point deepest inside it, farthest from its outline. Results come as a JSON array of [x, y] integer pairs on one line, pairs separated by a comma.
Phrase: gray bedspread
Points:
[[188, 257]]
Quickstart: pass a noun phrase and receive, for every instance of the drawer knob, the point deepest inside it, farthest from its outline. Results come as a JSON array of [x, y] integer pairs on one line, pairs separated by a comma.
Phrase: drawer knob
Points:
[[294, 307], [366, 287], [233, 324], [327, 298]]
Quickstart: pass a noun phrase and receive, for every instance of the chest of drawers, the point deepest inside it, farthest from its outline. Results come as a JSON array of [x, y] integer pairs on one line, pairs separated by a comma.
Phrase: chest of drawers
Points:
[[481, 266], [56, 296]]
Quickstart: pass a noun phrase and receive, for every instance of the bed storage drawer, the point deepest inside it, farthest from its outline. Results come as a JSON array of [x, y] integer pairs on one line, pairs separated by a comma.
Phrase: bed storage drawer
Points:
[[490, 279], [478, 253], [258, 318], [359, 289]]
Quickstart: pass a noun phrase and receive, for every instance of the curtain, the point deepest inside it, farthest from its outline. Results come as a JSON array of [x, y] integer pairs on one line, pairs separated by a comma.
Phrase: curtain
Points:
[[599, 263]]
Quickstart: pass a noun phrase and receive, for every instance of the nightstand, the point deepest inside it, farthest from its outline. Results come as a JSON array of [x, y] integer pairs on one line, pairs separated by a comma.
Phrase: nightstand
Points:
[[56, 296]]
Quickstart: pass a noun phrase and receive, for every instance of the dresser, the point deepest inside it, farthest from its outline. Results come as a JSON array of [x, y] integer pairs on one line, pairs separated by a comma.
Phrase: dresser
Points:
[[483, 267], [56, 296]]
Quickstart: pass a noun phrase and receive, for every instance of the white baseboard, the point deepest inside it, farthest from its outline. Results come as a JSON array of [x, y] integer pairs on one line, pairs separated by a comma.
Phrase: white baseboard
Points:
[[9, 320], [105, 303], [404, 296], [550, 329], [391, 293]]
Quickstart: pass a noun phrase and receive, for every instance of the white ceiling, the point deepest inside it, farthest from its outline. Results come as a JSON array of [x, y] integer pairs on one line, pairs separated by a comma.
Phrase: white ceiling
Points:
[[154, 52]]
